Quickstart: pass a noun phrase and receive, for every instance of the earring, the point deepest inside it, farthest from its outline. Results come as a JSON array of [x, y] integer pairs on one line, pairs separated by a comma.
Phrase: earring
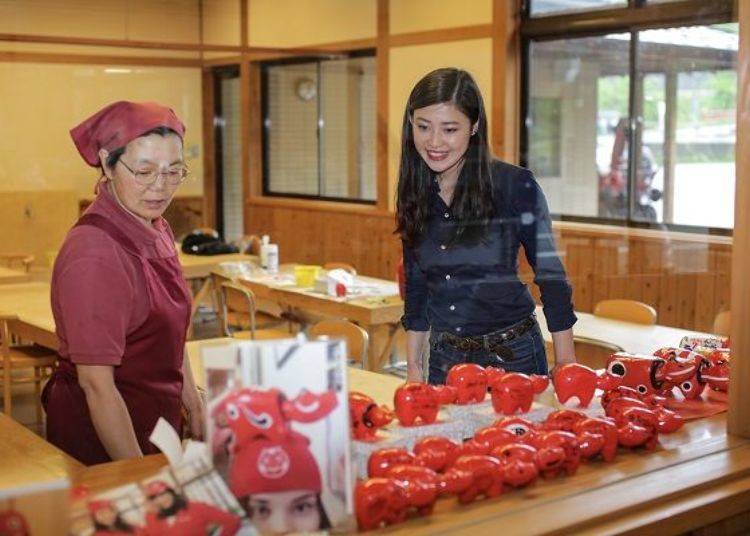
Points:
[[474, 130]]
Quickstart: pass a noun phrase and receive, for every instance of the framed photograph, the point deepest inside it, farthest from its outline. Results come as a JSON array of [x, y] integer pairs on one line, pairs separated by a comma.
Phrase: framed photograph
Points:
[[278, 425]]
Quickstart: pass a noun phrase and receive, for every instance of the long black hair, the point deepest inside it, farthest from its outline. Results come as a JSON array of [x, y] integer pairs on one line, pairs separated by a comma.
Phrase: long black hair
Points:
[[472, 204]]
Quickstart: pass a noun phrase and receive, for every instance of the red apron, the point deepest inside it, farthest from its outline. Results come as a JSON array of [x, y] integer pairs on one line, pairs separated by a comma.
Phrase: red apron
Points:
[[149, 377]]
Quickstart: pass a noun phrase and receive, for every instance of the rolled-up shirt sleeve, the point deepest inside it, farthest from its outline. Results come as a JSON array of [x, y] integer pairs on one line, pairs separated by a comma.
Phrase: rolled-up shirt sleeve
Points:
[[541, 252], [416, 296]]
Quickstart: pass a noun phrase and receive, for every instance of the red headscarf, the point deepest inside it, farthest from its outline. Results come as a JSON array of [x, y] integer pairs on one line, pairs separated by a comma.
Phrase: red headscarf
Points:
[[116, 125]]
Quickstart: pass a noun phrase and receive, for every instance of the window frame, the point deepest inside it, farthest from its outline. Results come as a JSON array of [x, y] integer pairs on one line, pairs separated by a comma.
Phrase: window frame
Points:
[[639, 15], [264, 94]]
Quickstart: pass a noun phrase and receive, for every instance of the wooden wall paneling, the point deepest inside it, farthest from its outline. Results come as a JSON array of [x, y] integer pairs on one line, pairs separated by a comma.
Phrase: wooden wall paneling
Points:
[[704, 294], [93, 59], [668, 295], [634, 270], [723, 280], [582, 288], [652, 265]]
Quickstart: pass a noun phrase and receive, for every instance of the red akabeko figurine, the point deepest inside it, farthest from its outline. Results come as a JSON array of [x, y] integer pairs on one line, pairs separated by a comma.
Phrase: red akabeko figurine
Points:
[[383, 459], [380, 501], [524, 429], [596, 436], [488, 438], [637, 426], [558, 451], [716, 370], [563, 419], [636, 371], [513, 392], [470, 381], [487, 476], [437, 452], [367, 417], [420, 402], [253, 413], [424, 486], [574, 379], [518, 462], [681, 370]]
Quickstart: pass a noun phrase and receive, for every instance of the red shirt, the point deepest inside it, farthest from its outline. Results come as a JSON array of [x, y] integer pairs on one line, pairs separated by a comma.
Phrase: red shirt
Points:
[[99, 292], [196, 519]]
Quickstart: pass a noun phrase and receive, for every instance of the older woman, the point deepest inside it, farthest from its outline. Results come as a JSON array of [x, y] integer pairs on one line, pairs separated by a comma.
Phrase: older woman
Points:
[[120, 302]]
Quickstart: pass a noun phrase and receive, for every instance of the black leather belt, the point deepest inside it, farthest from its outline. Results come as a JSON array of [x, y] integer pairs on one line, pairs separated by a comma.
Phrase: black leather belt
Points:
[[494, 341]]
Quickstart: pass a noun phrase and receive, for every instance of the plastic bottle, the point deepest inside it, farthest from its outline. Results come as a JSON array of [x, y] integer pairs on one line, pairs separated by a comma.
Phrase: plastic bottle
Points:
[[265, 242], [272, 258]]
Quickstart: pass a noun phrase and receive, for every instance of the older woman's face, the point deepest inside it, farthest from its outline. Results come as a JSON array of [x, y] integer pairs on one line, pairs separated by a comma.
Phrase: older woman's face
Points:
[[441, 135], [145, 155]]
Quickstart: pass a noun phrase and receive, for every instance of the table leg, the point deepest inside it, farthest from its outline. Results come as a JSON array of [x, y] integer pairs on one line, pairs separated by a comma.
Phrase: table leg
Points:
[[197, 299], [382, 337]]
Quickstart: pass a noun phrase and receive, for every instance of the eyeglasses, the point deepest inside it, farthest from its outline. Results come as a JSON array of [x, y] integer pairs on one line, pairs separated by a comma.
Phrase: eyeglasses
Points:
[[173, 176]]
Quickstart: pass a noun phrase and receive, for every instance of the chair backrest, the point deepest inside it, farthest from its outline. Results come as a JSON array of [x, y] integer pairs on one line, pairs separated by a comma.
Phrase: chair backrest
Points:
[[340, 266], [723, 323], [17, 260], [236, 299], [627, 310], [594, 352], [357, 339]]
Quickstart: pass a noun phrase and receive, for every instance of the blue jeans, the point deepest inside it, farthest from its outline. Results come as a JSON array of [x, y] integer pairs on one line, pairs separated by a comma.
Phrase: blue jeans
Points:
[[529, 356]]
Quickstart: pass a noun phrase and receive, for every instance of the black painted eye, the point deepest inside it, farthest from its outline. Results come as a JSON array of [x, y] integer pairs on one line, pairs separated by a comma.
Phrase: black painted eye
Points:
[[642, 389], [686, 386], [616, 368]]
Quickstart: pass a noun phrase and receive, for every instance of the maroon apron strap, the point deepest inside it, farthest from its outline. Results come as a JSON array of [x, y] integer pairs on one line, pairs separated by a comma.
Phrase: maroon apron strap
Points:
[[114, 232]]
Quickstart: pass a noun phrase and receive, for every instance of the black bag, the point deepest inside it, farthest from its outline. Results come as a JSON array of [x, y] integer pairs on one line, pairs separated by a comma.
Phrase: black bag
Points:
[[200, 242]]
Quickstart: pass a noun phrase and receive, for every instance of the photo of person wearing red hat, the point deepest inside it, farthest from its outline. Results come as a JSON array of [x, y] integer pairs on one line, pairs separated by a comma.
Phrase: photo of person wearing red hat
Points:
[[279, 485], [119, 299], [171, 513], [107, 519]]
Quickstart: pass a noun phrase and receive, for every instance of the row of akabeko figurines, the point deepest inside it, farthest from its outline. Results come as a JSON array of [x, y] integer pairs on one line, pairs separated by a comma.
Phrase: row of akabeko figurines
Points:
[[511, 453], [652, 377]]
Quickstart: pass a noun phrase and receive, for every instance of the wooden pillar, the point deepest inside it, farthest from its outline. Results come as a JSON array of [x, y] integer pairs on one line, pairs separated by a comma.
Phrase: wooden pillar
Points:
[[382, 54], [209, 148], [670, 144], [738, 419], [506, 50]]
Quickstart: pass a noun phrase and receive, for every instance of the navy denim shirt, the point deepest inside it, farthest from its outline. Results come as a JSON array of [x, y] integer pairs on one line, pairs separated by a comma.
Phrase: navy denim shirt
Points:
[[473, 290]]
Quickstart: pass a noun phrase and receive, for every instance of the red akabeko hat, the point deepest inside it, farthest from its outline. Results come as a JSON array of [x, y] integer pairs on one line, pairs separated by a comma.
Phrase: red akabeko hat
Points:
[[119, 123], [266, 466]]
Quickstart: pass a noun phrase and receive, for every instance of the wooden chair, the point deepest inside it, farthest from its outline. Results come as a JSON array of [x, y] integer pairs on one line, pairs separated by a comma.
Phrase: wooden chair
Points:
[[357, 339], [340, 266], [626, 310], [38, 360], [17, 260], [238, 301], [268, 314], [722, 324], [593, 352]]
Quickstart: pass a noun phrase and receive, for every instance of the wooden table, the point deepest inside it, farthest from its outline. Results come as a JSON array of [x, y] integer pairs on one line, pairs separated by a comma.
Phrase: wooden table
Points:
[[379, 316], [634, 338], [697, 477], [30, 304], [9, 275]]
